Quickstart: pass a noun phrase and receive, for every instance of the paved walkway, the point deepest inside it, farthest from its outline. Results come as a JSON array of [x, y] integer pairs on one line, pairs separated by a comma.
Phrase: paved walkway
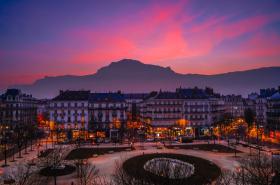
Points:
[[106, 163]]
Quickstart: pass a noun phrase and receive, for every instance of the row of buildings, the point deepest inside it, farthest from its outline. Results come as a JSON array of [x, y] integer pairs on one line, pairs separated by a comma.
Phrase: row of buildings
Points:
[[107, 113]]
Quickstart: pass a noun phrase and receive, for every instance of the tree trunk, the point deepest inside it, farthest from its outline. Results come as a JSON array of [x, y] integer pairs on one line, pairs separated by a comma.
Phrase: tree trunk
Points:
[[54, 180], [5, 155]]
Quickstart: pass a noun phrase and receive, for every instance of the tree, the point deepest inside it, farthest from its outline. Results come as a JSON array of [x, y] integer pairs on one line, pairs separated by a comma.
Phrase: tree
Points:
[[87, 174], [25, 174], [19, 138], [249, 117], [122, 178], [162, 169], [4, 147], [255, 170], [53, 160]]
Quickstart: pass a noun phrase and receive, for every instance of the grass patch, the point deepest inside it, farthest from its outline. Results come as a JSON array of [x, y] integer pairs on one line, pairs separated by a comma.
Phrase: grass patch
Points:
[[205, 171], [207, 147], [85, 153], [48, 171]]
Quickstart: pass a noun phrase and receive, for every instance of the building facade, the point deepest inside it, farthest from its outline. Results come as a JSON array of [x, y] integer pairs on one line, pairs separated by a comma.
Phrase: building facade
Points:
[[262, 105], [133, 101], [163, 110], [261, 111], [234, 105], [107, 112], [68, 113], [273, 113], [18, 108], [195, 108]]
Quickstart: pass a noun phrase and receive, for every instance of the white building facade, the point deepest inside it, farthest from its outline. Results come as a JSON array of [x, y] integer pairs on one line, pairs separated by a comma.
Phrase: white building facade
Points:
[[195, 106], [107, 111], [69, 110]]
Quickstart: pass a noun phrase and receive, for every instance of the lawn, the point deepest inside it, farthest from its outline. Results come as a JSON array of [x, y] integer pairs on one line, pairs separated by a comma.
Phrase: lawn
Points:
[[206, 147], [85, 153], [205, 171]]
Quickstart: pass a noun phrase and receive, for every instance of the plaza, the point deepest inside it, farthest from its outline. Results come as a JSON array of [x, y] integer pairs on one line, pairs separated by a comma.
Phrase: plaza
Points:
[[106, 162]]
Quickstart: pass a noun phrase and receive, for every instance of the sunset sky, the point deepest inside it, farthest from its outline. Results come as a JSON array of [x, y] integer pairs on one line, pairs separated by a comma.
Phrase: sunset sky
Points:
[[56, 37]]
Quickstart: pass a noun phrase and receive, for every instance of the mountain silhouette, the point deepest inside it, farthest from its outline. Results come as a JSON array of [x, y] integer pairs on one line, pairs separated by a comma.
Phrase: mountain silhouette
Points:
[[131, 76]]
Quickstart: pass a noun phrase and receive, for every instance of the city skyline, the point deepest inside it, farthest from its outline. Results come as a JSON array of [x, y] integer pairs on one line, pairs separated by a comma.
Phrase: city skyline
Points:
[[53, 38], [142, 92]]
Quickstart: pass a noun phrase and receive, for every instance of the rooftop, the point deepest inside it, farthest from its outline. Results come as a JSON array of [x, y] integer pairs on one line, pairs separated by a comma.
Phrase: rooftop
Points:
[[275, 96], [72, 95], [106, 97]]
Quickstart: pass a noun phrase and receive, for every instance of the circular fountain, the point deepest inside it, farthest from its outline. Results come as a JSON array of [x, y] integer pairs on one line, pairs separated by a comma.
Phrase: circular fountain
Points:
[[169, 168]]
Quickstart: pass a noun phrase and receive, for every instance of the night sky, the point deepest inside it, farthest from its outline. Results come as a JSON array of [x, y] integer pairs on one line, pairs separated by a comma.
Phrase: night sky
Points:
[[49, 38]]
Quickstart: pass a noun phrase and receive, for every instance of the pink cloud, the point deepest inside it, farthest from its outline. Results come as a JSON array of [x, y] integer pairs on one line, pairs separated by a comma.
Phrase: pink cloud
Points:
[[208, 34], [159, 33], [241, 27], [261, 45], [150, 36], [13, 79]]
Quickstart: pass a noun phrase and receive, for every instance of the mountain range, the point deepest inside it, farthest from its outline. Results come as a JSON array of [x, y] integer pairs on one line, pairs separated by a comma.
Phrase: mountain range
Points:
[[131, 76]]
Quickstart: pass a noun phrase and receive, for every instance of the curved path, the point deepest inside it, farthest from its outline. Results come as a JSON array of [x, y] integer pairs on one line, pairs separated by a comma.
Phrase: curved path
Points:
[[106, 163]]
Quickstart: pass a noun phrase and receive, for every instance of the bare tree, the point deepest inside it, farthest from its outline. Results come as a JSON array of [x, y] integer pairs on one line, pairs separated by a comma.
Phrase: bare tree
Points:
[[24, 174], [256, 170], [227, 178], [87, 173], [164, 173], [53, 161], [122, 178]]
